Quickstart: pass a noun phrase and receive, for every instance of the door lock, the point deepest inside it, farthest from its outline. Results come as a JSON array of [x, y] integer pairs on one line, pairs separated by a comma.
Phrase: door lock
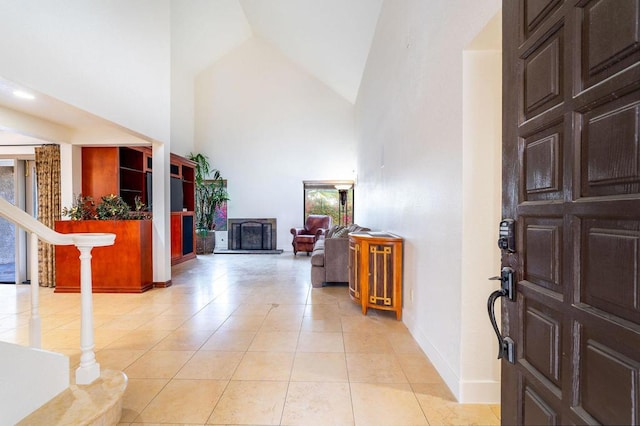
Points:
[[507, 283], [506, 345], [507, 235]]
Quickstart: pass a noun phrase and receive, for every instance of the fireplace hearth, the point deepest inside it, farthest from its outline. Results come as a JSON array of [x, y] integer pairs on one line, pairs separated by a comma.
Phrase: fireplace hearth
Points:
[[250, 235]]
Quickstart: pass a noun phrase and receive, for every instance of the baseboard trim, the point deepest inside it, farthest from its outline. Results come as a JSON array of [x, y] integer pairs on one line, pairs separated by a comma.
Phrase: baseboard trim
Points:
[[162, 284], [480, 392]]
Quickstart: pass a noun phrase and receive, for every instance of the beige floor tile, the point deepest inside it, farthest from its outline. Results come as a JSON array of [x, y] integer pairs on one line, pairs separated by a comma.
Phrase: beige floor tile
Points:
[[60, 339], [256, 309], [318, 404], [327, 325], [282, 323], [265, 366], [138, 339], [125, 322], [319, 367], [291, 312], [320, 342], [117, 359], [367, 343], [211, 365], [50, 322], [183, 340], [495, 408], [385, 404], [418, 369], [164, 322], [243, 323], [183, 401], [374, 368], [158, 364], [103, 337], [138, 395], [404, 343], [234, 341], [274, 341], [371, 323], [98, 321], [204, 322], [322, 298], [247, 402], [441, 408], [220, 307]]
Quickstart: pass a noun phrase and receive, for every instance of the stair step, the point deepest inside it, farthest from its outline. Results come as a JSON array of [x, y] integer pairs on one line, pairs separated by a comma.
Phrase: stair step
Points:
[[99, 403]]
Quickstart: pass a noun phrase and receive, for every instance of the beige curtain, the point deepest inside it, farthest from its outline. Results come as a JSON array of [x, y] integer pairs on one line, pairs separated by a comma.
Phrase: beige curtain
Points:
[[48, 177]]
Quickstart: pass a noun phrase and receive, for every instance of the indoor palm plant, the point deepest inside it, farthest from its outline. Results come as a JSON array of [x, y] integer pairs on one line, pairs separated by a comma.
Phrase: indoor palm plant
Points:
[[211, 193]]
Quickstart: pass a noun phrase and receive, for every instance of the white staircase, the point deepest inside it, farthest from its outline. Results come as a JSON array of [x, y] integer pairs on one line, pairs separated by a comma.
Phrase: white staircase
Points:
[[30, 377]]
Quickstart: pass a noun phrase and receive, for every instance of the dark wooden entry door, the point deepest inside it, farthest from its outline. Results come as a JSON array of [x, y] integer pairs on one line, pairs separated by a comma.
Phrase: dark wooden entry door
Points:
[[571, 181]]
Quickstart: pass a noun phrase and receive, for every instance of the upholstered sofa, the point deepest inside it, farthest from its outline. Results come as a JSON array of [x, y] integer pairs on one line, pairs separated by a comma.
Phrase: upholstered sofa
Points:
[[330, 256]]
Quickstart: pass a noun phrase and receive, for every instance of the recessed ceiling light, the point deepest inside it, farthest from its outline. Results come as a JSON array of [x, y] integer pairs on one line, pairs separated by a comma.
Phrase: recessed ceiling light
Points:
[[23, 95]]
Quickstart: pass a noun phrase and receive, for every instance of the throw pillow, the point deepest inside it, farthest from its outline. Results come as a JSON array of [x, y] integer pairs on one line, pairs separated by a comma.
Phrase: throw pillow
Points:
[[341, 233], [331, 232]]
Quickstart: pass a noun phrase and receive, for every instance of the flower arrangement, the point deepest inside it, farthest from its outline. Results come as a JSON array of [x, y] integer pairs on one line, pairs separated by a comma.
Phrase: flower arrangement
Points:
[[110, 207]]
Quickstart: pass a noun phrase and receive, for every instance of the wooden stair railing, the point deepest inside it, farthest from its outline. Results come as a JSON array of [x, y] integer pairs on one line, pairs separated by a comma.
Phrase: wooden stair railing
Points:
[[89, 369]]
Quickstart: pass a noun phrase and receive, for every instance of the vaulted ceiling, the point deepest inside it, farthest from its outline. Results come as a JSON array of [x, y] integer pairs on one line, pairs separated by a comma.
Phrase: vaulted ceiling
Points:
[[330, 39]]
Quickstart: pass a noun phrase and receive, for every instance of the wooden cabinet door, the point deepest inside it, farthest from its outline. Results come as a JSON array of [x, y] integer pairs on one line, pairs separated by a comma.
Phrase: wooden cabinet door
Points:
[[176, 235], [380, 279]]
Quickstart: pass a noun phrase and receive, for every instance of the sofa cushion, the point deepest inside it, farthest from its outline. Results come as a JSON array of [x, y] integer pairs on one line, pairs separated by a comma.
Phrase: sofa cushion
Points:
[[307, 239], [317, 257]]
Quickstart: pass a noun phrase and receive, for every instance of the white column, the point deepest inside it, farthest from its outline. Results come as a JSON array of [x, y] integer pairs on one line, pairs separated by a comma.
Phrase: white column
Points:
[[89, 369], [161, 214]]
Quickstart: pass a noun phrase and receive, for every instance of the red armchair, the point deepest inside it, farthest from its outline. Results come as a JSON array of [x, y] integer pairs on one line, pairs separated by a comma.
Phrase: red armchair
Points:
[[304, 238]]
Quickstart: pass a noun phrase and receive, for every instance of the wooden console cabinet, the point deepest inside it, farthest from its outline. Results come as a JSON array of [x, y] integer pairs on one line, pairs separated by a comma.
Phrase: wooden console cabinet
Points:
[[125, 267], [375, 271]]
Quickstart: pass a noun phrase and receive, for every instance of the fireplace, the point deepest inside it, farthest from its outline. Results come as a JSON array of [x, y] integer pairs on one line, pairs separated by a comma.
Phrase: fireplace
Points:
[[252, 235]]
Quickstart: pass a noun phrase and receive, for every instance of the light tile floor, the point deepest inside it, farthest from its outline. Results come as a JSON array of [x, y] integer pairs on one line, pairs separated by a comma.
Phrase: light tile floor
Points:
[[244, 339]]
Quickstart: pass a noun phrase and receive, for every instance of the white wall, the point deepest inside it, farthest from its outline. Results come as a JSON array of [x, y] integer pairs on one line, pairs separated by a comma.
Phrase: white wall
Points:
[[481, 202], [108, 57], [410, 161], [268, 125], [202, 31]]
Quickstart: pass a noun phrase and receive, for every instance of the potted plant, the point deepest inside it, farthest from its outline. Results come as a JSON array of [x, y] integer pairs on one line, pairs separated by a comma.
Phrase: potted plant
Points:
[[210, 195]]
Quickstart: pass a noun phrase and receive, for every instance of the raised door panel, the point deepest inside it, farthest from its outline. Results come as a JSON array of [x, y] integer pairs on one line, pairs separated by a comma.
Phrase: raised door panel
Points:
[[100, 172], [354, 269], [381, 268], [176, 235]]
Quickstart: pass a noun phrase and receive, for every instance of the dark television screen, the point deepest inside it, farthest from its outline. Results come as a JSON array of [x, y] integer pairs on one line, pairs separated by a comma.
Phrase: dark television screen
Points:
[[176, 194], [149, 191]]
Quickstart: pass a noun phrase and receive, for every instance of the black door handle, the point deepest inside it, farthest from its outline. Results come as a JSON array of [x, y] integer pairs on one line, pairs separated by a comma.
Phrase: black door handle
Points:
[[507, 289]]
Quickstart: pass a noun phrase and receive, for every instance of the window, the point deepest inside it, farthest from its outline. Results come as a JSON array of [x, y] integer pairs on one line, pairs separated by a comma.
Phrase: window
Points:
[[333, 198]]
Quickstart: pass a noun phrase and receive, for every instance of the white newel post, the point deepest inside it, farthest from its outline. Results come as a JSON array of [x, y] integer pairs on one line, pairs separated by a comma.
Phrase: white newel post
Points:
[[89, 369], [35, 324]]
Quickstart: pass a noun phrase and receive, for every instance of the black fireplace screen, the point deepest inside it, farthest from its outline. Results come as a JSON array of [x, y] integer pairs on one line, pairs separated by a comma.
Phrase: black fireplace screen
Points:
[[252, 234]]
